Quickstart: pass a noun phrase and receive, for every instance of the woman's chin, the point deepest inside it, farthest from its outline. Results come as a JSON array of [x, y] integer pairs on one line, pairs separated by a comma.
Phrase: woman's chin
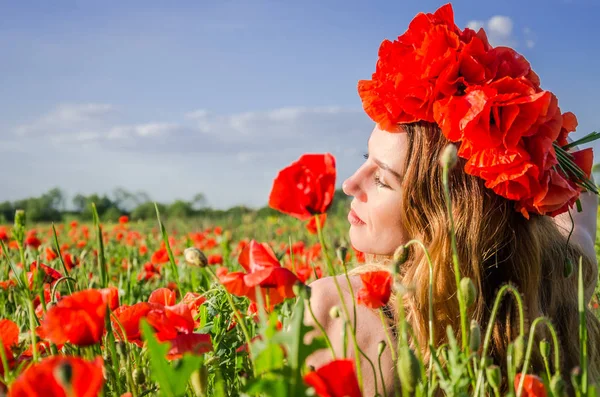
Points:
[[358, 239]]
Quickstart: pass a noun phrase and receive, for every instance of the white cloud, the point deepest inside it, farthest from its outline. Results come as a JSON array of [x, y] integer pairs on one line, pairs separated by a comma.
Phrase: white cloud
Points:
[[199, 151], [68, 116], [500, 31]]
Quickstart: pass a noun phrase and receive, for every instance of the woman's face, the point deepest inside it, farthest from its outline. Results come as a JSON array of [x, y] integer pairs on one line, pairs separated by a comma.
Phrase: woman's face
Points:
[[375, 225]]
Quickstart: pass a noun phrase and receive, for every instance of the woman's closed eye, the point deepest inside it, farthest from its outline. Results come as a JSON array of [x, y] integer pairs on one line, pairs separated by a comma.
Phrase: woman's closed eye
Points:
[[379, 182]]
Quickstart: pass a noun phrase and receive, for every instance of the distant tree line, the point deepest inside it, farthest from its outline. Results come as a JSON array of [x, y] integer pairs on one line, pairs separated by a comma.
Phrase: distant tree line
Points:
[[52, 207]]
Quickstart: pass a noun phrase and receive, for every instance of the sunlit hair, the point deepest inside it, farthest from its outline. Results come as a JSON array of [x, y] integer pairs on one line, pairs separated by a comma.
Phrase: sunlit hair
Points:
[[496, 245]]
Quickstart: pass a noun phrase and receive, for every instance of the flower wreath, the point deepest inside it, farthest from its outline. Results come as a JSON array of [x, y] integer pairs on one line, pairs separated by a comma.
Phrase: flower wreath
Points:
[[488, 99]]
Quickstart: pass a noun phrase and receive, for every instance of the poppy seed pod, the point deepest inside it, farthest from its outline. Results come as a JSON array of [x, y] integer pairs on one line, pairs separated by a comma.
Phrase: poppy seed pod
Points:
[[468, 291], [63, 373], [194, 257], [449, 156]]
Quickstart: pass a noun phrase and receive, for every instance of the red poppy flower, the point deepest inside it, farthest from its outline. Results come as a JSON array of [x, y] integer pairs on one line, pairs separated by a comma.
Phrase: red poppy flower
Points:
[[189, 343], [305, 188], [123, 219], [39, 380], [262, 270], [215, 259], [336, 379], [167, 321], [111, 297], [9, 334], [31, 240], [4, 233], [77, 318], [163, 296], [150, 271], [532, 386], [193, 300], [49, 274], [160, 256], [50, 254], [311, 226], [376, 290]]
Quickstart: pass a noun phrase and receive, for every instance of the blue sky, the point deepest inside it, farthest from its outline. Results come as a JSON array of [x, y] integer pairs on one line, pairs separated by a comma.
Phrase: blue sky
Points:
[[175, 98]]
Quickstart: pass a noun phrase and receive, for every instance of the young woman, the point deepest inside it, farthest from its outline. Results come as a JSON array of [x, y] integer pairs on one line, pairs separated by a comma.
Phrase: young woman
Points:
[[513, 207]]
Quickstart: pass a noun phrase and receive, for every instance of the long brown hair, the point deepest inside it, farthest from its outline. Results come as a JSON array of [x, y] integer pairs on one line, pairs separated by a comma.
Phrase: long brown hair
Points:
[[496, 245]]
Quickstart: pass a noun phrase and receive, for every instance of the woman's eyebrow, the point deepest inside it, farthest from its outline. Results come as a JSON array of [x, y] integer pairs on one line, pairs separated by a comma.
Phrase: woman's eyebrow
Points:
[[388, 168]]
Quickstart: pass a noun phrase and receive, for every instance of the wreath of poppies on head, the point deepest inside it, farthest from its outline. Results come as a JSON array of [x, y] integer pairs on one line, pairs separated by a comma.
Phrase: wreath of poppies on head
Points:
[[488, 100]]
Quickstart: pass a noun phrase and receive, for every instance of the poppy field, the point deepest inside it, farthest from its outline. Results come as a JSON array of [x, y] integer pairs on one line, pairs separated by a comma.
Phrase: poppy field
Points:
[[190, 308]]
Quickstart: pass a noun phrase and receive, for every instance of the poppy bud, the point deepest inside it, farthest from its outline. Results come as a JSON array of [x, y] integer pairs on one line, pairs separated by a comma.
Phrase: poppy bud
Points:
[[63, 373], [400, 255], [20, 219], [381, 347], [493, 376], [194, 257], [302, 290], [121, 349], [468, 291], [409, 369], [558, 386], [334, 312], [449, 156], [568, 269], [341, 253], [545, 349], [475, 336], [519, 345], [138, 376]]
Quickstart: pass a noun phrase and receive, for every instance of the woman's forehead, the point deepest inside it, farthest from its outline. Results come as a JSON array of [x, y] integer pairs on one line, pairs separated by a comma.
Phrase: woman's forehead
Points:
[[388, 147]]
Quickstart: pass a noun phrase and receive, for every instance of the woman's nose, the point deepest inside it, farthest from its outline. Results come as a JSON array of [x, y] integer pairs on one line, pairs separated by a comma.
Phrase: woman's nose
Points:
[[352, 187]]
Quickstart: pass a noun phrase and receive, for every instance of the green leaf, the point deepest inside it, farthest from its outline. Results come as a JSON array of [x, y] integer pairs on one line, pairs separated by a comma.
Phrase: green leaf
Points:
[[297, 351], [269, 359], [173, 380], [270, 385]]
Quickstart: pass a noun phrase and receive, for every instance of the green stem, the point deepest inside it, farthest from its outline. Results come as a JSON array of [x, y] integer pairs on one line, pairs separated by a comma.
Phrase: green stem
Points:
[[32, 326], [327, 340], [369, 361], [430, 297], [62, 261], [235, 311], [461, 300], [381, 372], [583, 335], [488, 334], [387, 335], [331, 270], [165, 238], [530, 343]]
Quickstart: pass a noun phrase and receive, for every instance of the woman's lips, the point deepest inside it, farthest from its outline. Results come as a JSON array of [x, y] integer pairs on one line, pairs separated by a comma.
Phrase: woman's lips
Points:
[[354, 219]]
